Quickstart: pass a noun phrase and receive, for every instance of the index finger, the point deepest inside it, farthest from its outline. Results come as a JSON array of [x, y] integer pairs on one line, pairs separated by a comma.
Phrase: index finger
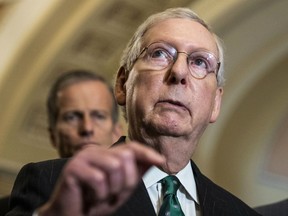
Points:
[[145, 156]]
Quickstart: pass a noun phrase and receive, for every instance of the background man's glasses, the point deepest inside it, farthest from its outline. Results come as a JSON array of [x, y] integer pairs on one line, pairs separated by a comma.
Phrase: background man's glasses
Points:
[[160, 55]]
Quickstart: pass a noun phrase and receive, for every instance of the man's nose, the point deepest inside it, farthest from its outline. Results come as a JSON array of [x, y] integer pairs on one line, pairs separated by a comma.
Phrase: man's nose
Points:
[[179, 72], [86, 127]]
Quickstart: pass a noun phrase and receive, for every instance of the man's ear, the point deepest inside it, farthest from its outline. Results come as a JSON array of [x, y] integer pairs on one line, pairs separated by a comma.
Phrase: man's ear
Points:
[[120, 87], [217, 105]]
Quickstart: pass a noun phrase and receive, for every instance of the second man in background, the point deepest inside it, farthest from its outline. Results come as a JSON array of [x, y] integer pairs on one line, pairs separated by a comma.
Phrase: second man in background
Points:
[[81, 110]]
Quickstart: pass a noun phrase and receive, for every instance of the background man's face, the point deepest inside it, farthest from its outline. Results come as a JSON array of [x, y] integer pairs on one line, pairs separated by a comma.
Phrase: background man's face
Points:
[[84, 117]]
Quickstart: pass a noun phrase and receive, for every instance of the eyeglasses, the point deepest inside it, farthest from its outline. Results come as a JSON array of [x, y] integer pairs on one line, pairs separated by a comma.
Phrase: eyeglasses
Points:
[[160, 55]]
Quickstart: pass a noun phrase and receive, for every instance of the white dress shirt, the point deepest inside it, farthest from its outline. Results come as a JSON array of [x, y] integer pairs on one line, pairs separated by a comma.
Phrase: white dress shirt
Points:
[[187, 194]]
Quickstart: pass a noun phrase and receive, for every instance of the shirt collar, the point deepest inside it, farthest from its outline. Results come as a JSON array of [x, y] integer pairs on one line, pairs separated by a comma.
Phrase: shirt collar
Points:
[[154, 174]]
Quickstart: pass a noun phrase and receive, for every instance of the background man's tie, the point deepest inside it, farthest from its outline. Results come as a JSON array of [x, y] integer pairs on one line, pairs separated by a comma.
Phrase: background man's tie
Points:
[[170, 205]]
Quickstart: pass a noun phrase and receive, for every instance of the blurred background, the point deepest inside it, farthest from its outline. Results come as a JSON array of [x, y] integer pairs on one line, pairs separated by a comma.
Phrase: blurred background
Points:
[[245, 151]]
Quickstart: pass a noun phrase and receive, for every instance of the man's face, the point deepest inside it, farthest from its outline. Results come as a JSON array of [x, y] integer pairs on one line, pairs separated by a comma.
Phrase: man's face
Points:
[[170, 102], [84, 117]]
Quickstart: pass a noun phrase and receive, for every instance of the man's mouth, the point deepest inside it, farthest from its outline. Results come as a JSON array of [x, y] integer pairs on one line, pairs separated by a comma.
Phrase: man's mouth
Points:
[[88, 143], [177, 103], [174, 103]]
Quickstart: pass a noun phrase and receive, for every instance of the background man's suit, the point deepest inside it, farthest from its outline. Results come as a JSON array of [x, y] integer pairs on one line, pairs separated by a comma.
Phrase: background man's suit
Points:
[[4, 205]]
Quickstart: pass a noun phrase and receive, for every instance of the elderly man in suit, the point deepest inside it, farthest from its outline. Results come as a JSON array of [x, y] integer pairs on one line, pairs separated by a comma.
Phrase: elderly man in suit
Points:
[[170, 84]]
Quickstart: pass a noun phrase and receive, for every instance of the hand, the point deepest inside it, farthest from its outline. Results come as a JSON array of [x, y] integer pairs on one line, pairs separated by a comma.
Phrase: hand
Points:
[[97, 180]]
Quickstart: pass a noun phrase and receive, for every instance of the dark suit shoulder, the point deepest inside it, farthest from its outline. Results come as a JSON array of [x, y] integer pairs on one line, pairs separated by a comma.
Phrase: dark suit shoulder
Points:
[[278, 208], [34, 185], [4, 205], [36, 171], [51, 167], [215, 200]]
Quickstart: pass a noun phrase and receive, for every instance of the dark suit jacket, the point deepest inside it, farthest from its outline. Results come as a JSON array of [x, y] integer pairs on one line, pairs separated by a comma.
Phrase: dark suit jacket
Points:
[[4, 205], [274, 209], [35, 183]]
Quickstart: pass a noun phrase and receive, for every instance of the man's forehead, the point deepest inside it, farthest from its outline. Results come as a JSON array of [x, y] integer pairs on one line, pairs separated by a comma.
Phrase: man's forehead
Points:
[[90, 93], [181, 32]]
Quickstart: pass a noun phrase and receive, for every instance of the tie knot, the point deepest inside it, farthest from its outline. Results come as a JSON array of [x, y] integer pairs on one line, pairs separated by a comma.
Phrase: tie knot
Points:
[[170, 184]]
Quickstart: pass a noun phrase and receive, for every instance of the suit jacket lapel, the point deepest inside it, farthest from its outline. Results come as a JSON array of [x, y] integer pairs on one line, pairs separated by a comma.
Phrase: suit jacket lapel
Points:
[[139, 204], [213, 199], [207, 202]]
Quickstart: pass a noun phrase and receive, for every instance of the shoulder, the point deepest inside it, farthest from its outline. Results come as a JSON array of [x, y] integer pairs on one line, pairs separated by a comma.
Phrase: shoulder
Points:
[[279, 208], [38, 174], [52, 167], [216, 200], [33, 185]]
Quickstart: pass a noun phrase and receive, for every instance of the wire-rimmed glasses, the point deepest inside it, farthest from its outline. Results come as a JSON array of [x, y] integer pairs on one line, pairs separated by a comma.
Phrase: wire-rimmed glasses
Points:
[[160, 55]]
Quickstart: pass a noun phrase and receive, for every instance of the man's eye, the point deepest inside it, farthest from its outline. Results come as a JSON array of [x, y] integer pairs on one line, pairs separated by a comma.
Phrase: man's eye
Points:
[[99, 116], [70, 117], [199, 63], [159, 53]]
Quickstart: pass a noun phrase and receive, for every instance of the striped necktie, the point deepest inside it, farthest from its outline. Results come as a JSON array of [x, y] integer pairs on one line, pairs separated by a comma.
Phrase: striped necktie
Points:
[[170, 205]]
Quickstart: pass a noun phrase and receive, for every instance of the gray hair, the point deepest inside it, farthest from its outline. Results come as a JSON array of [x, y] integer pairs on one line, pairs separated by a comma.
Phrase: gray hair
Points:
[[133, 48]]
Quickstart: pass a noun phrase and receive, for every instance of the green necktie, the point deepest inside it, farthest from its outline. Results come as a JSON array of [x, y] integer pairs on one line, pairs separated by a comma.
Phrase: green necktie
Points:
[[170, 205]]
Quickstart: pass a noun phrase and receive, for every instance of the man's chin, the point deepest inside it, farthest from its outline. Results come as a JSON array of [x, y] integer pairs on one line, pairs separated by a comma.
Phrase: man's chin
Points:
[[168, 129]]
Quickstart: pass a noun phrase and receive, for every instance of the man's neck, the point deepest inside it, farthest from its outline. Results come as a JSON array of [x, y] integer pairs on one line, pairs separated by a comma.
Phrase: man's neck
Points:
[[177, 151]]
